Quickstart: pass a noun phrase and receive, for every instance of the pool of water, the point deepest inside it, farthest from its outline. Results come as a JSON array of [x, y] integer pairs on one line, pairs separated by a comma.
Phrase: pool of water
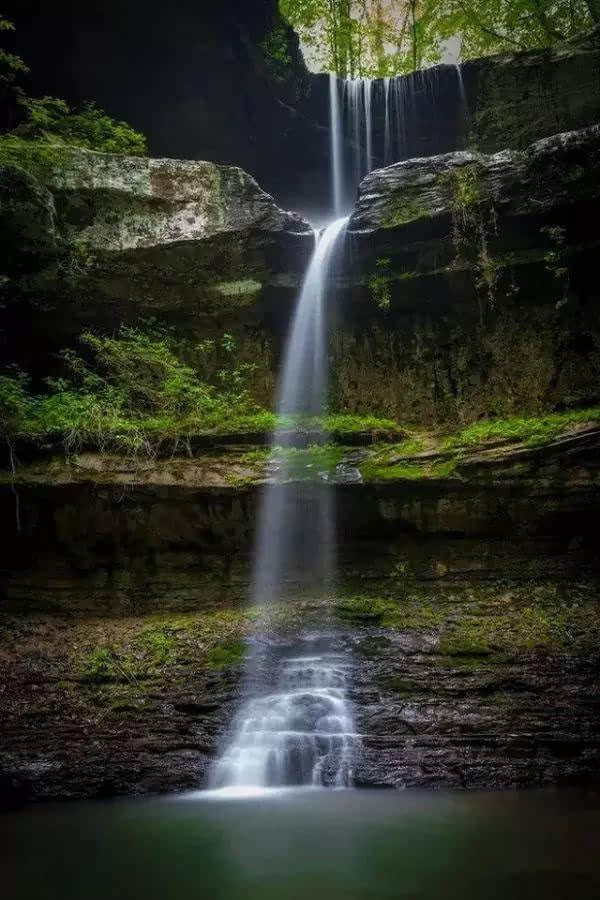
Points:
[[309, 844]]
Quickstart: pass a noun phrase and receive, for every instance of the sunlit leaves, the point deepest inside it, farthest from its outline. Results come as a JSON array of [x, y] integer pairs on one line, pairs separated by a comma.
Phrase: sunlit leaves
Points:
[[388, 37]]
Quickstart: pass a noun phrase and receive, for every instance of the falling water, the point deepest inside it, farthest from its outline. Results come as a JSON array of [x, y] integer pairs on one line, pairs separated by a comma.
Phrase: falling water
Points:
[[303, 733], [373, 122], [368, 100], [387, 136], [335, 125]]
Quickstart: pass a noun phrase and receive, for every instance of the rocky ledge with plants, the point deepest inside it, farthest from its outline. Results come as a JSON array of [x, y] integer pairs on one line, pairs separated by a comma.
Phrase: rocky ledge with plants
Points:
[[462, 685]]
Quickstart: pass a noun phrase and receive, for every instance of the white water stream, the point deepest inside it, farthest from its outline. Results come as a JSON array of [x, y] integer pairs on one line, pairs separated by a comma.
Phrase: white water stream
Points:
[[372, 124], [303, 733]]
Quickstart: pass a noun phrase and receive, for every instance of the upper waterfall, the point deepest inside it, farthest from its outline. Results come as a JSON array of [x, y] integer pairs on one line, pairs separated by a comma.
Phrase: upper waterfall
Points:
[[373, 123]]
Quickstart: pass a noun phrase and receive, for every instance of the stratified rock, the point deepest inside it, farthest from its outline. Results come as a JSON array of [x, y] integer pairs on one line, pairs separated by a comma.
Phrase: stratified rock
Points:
[[556, 171], [472, 284], [200, 246]]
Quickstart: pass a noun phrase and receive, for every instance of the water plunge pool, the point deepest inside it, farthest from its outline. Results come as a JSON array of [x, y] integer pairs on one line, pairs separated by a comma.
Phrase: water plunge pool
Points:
[[308, 843]]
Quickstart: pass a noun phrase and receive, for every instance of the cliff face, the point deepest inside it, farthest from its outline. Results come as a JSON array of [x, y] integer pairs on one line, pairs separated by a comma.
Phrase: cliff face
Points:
[[105, 535], [94, 240], [471, 282], [469, 278], [239, 106]]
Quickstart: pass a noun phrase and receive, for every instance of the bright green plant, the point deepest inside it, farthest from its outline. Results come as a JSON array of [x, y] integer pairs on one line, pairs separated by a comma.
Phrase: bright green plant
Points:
[[375, 38], [50, 119], [130, 392]]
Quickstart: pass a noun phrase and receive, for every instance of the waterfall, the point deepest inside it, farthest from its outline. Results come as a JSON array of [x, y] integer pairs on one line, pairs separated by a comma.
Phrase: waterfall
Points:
[[303, 733], [368, 101], [374, 122], [387, 137], [335, 130]]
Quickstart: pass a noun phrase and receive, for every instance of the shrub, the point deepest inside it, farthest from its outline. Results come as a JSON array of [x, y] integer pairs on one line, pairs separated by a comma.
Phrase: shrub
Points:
[[131, 393], [51, 119]]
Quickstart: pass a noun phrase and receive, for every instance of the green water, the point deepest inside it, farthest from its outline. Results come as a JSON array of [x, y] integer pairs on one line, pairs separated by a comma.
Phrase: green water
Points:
[[345, 845]]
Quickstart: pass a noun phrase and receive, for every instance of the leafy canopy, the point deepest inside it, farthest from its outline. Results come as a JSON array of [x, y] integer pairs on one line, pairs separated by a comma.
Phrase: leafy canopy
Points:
[[376, 38]]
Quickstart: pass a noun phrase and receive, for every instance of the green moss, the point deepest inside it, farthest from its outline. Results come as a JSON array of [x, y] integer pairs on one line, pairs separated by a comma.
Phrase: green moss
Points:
[[465, 186], [376, 470], [399, 685], [39, 158], [463, 641], [244, 291], [388, 612], [225, 654], [362, 609], [522, 627], [403, 209], [338, 424]]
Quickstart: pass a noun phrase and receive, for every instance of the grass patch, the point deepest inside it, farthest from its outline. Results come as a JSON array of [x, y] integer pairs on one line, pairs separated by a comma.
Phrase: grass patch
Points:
[[530, 430], [103, 664], [340, 424]]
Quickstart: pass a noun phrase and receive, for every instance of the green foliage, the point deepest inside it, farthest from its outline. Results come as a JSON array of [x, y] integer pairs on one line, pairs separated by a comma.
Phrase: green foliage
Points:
[[39, 158], [131, 393], [16, 404], [379, 284], [531, 430], [159, 644], [373, 38], [99, 665], [52, 120], [10, 64], [275, 50]]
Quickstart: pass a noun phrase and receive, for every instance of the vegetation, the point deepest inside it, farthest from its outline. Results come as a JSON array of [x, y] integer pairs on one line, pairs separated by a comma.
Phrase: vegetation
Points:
[[374, 38], [130, 393], [531, 430], [275, 50], [51, 121]]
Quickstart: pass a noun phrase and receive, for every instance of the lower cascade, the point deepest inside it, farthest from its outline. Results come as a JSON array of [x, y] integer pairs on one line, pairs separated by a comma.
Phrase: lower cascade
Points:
[[301, 735]]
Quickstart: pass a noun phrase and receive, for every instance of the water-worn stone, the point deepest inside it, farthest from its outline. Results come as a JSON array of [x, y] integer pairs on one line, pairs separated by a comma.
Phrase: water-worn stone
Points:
[[431, 707]]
